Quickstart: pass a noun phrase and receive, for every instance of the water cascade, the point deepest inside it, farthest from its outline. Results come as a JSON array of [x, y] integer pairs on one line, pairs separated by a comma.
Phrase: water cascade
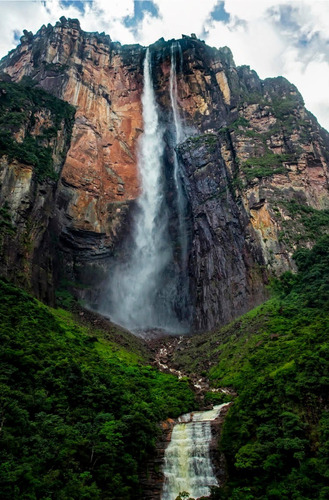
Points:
[[178, 137], [187, 463], [141, 293]]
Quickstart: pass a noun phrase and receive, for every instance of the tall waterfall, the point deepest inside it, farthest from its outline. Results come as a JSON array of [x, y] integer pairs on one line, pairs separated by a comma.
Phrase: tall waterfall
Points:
[[187, 465], [178, 137], [141, 292]]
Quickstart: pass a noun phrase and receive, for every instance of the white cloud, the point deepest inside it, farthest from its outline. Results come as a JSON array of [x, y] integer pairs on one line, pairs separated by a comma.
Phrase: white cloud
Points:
[[19, 15], [255, 43], [115, 9], [176, 17], [288, 38]]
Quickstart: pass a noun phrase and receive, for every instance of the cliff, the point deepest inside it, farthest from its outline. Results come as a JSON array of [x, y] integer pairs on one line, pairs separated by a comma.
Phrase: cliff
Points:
[[34, 139], [252, 160]]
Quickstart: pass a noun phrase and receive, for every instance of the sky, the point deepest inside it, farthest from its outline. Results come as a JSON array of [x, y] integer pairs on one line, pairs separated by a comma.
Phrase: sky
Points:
[[288, 37]]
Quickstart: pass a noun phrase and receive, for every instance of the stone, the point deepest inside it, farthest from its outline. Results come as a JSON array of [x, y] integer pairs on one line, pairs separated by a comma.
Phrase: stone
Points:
[[235, 212]]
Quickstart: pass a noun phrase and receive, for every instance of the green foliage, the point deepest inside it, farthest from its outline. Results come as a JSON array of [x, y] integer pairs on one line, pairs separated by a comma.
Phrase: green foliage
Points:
[[216, 398], [286, 105], [306, 223], [239, 122], [265, 166], [30, 153], [252, 97], [209, 140], [313, 220], [312, 282], [65, 299], [78, 415], [261, 172], [6, 226], [275, 436], [267, 160], [18, 105]]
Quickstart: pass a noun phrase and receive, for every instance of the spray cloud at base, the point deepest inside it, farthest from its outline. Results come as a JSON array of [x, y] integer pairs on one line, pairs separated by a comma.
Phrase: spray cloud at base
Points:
[[145, 290]]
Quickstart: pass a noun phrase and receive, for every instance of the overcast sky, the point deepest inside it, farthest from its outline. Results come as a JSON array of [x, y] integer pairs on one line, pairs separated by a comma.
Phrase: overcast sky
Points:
[[289, 38]]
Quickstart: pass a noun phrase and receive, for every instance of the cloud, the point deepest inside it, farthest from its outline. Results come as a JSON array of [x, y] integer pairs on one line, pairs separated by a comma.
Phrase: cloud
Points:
[[19, 15], [288, 38]]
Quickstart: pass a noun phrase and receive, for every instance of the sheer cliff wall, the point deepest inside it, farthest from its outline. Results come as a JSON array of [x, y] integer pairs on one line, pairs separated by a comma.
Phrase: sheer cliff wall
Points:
[[251, 155]]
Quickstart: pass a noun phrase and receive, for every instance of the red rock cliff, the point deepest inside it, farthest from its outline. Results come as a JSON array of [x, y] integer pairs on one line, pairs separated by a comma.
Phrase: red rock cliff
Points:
[[254, 157]]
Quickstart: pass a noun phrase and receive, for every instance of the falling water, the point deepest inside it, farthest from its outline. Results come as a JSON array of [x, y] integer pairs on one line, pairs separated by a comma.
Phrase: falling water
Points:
[[187, 465], [178, 137], [141, 294]]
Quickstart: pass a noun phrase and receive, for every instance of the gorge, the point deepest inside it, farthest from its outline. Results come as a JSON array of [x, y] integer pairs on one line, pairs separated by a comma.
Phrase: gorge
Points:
[[163, 188]]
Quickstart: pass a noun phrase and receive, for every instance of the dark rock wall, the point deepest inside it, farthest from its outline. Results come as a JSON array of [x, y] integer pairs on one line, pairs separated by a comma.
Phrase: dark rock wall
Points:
[[251, 150], [226, 265], [35, 136]]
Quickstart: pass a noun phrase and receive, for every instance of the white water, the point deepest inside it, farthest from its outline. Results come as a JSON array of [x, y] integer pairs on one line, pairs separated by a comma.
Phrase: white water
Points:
[[178, 137], [187, 464], [140, 293]]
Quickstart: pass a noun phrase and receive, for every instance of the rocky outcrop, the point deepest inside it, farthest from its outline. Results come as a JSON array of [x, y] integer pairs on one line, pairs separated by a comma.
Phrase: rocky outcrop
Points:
[[281, 157], [228, 273], [251, 157], [153, 477], [255, 155], [99, 175], [34, 137]]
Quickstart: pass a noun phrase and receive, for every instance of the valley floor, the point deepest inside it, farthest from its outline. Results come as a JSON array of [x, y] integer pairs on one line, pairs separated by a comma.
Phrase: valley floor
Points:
[[81, 402]]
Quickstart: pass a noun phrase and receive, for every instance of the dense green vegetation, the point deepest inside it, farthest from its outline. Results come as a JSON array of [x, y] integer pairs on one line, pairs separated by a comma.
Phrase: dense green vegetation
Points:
[[275, 437], [276, 357], [265, 165], [6, 226], [78, 414], [19, 104], [209, 140], [304, 224]]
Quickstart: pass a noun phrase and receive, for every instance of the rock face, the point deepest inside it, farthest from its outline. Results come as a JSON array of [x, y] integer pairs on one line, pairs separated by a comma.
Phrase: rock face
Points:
[[228, 264], [34, 137], [252, 157], [99, 176]]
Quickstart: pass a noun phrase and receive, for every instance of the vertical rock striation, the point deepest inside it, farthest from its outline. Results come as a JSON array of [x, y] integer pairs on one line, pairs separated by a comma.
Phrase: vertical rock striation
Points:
[[253, 158], [227, 266], [35, 132], [99, 177]]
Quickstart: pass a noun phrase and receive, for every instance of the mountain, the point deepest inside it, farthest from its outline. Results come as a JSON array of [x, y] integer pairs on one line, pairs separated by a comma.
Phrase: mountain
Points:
[[235, 214], [254, 164]]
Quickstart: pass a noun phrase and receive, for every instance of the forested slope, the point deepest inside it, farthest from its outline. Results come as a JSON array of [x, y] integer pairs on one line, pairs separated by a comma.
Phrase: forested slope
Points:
[[78, 413], [275, 437]]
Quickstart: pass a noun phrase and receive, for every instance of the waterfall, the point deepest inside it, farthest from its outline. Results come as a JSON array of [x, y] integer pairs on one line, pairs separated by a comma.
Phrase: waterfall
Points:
[[187, 463], [178, 137], [142, 290]]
